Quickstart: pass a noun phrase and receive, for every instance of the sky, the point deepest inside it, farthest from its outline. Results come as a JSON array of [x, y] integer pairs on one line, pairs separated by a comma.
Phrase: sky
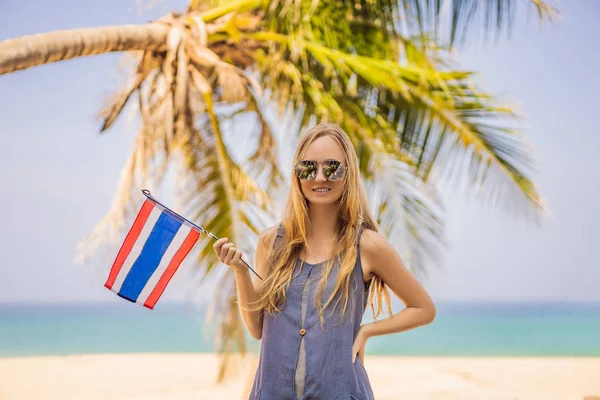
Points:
[[59, 175]]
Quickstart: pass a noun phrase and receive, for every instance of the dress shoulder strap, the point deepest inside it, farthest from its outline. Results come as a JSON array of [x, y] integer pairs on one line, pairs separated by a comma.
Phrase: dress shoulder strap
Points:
[[361, 228]]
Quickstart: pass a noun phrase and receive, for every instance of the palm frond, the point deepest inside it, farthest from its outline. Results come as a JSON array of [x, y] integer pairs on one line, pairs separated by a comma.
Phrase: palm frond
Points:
[[452, 21], [408, 210], [424, 106], [264, 162]]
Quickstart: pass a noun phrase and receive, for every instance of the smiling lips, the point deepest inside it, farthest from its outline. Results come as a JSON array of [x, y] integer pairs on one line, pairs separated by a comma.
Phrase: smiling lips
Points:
[[321, 190]]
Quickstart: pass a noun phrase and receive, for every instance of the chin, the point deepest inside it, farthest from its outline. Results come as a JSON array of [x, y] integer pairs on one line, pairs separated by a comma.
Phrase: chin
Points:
[[323, 200]]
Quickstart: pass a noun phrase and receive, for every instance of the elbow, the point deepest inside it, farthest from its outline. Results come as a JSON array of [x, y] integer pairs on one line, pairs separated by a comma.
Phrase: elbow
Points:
[[255, 325], [429, 314], [256, 330], [425, 314], [257, 335]]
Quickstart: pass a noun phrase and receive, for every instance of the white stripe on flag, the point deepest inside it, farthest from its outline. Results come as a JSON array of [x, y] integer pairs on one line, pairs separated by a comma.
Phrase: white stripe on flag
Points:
[[137, 248], [164, 263]]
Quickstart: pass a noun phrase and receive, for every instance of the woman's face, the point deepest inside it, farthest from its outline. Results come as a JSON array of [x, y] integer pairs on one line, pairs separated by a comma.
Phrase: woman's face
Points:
[[321, 149]]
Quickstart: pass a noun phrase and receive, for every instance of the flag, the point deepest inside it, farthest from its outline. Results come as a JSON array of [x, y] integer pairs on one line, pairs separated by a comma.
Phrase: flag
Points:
[[155, 246]]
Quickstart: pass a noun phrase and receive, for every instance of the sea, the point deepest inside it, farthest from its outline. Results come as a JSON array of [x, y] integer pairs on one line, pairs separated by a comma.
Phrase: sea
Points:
[[475, 329]]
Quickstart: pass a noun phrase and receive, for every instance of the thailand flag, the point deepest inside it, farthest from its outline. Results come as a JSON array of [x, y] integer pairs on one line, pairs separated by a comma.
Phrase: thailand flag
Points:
[[153, 249]]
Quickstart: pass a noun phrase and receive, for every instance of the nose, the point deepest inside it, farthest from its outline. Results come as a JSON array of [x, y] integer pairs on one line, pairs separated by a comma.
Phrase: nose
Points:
[[320, 175]]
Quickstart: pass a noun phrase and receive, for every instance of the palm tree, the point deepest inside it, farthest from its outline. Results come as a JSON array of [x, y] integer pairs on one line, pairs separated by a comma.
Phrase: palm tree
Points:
[[382, 71]]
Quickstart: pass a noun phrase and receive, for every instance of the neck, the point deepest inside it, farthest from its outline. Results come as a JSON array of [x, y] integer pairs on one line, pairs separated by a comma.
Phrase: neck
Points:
[[323, 220]]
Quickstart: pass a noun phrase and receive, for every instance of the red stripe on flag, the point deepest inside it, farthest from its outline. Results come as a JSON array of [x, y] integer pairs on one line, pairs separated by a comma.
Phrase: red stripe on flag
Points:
[[183, 251], [130, 240]]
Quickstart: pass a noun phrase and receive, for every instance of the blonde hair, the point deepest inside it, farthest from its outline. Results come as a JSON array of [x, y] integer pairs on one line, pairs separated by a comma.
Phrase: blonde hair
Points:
[[354, 214]]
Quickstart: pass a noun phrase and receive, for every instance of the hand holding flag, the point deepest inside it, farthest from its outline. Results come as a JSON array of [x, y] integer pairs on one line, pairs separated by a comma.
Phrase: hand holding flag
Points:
[[155, 246], [229, 255]]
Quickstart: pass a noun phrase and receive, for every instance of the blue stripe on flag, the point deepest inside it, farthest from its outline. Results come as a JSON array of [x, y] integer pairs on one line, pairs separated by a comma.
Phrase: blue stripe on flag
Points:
[[155, 247]]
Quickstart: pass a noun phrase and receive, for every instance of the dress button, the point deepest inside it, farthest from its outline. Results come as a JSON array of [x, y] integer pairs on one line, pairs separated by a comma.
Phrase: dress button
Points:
[[302, 331]]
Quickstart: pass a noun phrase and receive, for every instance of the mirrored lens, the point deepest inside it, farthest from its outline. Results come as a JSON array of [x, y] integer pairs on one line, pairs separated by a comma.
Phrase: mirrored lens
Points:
[[306, 170], [333, 170]]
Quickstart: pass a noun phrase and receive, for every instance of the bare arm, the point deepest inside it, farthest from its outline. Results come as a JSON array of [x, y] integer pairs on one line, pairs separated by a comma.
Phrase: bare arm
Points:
[[247, 291], [380, 258]]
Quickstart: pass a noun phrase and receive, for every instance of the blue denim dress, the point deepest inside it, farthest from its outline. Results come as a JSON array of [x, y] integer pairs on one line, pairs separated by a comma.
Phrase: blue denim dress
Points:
[[299, 359]]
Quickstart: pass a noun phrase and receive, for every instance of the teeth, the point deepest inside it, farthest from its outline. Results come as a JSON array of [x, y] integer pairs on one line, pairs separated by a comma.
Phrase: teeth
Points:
[[321, 190]]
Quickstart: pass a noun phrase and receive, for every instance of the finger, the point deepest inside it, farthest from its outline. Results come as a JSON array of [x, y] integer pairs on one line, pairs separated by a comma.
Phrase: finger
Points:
[[230, 254], [219, 243], [225, 249], [237, 257]]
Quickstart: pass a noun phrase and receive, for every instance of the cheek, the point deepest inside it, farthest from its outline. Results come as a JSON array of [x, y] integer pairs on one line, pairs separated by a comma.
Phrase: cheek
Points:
[[339, 189], [304, 186]]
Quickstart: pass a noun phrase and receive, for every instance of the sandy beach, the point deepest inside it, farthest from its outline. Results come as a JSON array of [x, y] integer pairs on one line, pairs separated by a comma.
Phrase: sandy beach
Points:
[[191, 376]]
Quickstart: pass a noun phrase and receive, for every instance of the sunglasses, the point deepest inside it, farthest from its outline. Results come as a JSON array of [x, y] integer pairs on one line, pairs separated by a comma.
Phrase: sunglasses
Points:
[[306, 170]]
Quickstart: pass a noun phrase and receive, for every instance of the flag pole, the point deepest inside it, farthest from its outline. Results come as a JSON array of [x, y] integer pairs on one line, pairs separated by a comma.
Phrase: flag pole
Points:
[[146, 193]]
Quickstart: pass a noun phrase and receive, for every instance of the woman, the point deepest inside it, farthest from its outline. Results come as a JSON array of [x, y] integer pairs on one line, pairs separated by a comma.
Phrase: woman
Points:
[[319, 266]]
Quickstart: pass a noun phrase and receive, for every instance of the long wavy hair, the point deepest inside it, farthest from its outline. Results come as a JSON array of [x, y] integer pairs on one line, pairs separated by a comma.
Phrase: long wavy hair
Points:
[[353, 213]]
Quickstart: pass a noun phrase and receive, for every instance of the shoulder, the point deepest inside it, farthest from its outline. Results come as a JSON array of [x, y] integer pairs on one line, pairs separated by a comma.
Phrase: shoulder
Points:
[[270, 231], [373, 246], [263, 250], [267, 237], [371, 241]]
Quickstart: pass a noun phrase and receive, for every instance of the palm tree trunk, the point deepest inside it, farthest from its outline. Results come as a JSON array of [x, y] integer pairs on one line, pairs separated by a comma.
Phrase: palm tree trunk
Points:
[[29, 51]]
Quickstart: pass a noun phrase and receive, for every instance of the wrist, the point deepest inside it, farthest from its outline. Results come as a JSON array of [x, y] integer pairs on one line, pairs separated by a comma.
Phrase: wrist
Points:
[[242, 272], [367, 330]]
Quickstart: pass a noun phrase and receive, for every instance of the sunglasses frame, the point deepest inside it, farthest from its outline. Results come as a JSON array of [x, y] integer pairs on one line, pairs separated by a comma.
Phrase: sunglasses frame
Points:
[[320, 166]]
